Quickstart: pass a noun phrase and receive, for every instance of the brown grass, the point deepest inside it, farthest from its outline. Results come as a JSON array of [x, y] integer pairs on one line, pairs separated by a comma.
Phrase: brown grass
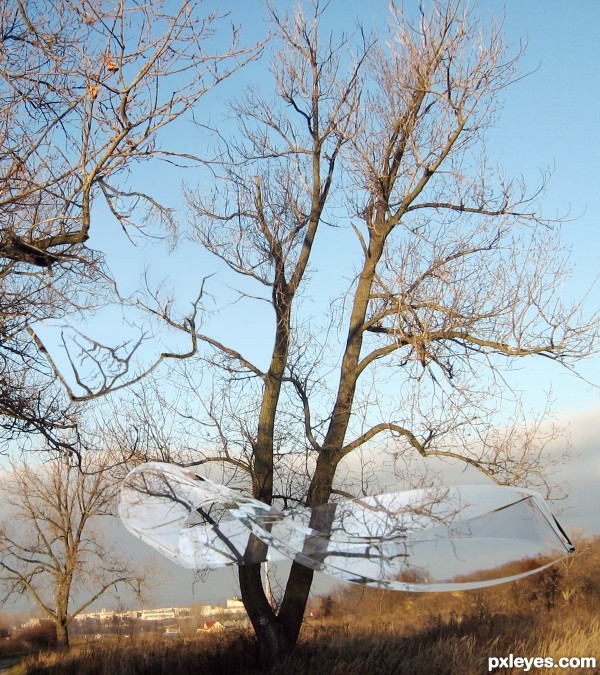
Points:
[[349, 649], [377, 632]]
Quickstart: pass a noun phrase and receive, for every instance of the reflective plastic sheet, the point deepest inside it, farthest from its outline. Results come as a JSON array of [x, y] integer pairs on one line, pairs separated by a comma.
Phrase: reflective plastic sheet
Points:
[[434, 539]]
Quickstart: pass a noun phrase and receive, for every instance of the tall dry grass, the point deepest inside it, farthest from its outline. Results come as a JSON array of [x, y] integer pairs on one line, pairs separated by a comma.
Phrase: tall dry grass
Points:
[[154, 655], [378, 633], [443, 648]]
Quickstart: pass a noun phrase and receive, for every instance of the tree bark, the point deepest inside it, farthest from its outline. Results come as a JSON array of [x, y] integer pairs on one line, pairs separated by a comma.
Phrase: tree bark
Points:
[[294, 602], [270, 638], [62, 633]]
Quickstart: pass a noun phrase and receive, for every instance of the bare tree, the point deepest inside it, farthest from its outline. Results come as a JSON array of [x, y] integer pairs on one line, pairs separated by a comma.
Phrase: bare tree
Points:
[[51, 546], [87, 90], [368, 154]]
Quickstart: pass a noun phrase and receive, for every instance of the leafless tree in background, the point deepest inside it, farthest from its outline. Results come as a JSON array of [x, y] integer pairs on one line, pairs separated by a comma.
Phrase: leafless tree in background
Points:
[[50, 546], [87, 90], [368, 158]]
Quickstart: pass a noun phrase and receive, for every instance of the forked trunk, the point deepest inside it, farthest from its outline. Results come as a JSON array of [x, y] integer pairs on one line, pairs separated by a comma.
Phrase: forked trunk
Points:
[[276, 634], [271, 640]]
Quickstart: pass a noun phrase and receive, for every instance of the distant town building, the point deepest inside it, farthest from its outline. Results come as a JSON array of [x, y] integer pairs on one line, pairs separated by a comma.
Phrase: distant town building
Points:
[[211, 627], [157, 614], [232, 607], [235, 607]]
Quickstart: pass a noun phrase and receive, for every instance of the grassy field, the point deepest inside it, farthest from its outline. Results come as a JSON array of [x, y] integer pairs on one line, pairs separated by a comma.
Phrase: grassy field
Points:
[[357, 631], [440, 649]]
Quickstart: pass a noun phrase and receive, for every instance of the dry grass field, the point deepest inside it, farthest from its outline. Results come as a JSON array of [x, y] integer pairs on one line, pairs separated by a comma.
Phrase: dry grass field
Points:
[[357, 631]]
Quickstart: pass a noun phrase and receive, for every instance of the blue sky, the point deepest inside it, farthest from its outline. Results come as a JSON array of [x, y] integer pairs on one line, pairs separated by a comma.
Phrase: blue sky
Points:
[[550, 121]]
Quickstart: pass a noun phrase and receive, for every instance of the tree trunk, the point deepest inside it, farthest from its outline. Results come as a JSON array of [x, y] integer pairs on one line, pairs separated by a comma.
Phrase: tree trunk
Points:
[[300, 577], [294, 601], [62, 632], [271, 641], [61, 613], [275, 634]]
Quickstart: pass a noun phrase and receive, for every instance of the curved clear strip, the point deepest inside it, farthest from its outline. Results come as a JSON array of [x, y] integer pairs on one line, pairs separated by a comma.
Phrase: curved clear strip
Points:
[[434, 539]]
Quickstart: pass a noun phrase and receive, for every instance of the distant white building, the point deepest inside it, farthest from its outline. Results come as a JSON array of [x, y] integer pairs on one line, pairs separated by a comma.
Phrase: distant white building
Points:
[[157, 614], [232, 607], [153, 614], [235, 607], [211, 627]]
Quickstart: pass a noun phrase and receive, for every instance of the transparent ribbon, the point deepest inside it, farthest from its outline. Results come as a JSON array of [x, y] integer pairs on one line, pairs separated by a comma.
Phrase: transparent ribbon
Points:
[[433, 539]]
